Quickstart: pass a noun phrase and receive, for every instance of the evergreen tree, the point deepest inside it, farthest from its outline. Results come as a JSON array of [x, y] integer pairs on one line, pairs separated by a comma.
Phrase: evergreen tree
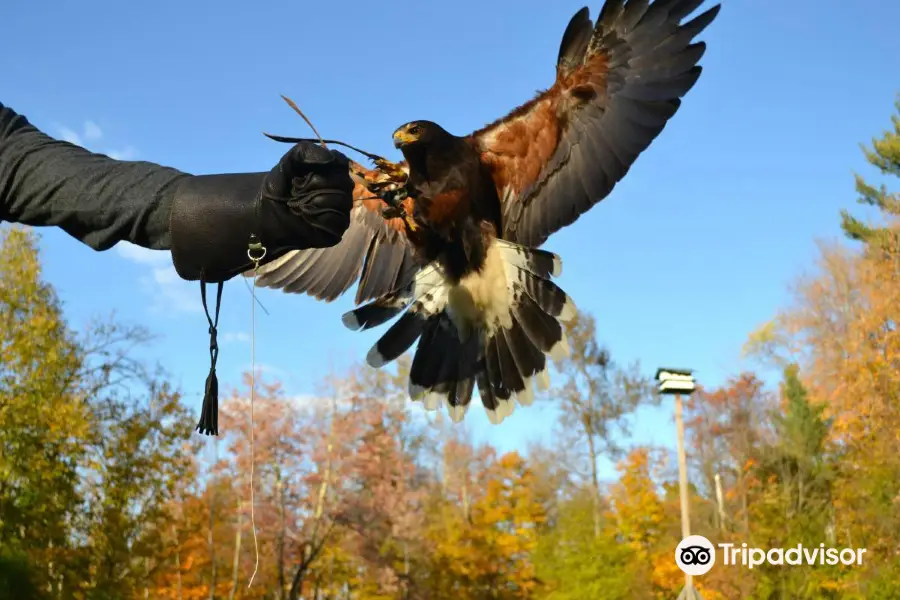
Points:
[[885, 155], [802, 430], [795, 474]]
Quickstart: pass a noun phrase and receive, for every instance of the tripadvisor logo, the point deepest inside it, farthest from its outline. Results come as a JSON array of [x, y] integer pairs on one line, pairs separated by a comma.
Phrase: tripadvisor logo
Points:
[[696, 555], [794, 556]]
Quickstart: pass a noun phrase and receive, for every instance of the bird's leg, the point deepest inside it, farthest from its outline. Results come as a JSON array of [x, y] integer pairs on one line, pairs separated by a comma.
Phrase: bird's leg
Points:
[[397, 208], [394, 199], [391, 169]]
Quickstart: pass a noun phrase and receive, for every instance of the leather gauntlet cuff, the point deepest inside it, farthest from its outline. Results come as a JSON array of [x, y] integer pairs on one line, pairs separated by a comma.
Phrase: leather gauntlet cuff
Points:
[[212, 219]]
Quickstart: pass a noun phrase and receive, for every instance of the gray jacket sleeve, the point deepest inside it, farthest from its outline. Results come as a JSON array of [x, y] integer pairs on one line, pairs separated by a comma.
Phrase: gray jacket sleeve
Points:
[[95, 199]]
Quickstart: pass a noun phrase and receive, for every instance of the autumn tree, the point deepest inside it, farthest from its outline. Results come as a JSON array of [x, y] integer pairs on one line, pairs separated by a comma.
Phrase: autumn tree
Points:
[[383, 507], [576, 563], [337, 491], [202, 515], [841, 328], [140, 457], [554, 485], [92, 444], [644, 519], [276, 453], [727, 424], [45, 425], [594, 400], [489, 552], [793, 503]]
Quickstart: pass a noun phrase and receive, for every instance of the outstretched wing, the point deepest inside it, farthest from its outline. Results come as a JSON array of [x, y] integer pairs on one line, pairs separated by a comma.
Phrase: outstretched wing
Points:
[[618, 82], [374, 250]]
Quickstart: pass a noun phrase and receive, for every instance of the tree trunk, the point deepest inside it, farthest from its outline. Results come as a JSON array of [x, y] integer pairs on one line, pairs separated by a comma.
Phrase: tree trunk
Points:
[[178, 584], [589, 432], [299, 575], [595, 483], [212, 521], [236, 561], [279, 541], [313, 544], [467, 509], [146, 577], [51, 574], [720, 503], [745, 517]]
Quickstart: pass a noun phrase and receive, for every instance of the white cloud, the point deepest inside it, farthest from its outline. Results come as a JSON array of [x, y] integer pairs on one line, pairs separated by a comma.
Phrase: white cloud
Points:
[[267, 370], [172, 293], [302, 401], [126, 153], [314, 402], [169, 293], [92, 131], [69, 135], [143, 256], [235, 337]]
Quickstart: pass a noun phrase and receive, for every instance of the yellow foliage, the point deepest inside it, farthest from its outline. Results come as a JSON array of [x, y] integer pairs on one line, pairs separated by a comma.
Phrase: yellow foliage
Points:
[[638, 509], [493, 547]]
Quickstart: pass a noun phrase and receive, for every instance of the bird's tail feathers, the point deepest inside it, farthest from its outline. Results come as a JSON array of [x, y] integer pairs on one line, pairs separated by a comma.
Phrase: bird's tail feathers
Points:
[[423, 287], [494, 329]]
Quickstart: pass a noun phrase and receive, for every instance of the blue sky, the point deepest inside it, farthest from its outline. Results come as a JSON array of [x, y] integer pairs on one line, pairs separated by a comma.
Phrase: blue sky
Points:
[[690, 252]]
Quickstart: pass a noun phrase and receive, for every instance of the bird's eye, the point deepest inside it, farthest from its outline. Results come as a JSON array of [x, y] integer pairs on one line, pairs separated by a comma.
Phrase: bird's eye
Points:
[[414, 130]]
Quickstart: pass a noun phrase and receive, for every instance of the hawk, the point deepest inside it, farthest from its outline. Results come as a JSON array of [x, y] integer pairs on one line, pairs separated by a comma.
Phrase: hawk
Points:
[[448, 239]]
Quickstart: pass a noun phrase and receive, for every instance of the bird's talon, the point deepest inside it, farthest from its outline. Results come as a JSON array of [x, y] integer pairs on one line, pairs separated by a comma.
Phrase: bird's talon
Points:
[[391, 212]]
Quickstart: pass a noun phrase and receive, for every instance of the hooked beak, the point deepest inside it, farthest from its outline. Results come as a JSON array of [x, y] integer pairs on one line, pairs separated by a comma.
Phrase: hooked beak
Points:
[[402, 138]]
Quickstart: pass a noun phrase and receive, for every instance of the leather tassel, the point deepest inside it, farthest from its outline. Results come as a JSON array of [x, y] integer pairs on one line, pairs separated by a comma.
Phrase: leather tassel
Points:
[[209, 413]]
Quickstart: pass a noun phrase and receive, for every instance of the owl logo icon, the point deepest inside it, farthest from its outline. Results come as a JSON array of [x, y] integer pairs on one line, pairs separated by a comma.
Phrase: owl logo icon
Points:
[[695, 555]]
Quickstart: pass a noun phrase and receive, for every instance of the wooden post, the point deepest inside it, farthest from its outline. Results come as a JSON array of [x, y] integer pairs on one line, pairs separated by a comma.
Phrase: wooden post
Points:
[[682, 480], [720, 503], [675, 382]]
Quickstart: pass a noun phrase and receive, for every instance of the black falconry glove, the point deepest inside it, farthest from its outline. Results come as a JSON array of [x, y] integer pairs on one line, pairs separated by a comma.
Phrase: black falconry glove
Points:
[[303, 202]]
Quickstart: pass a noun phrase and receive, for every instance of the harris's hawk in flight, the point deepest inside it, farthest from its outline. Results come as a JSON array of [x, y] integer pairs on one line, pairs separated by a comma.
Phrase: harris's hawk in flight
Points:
[[452, 247]]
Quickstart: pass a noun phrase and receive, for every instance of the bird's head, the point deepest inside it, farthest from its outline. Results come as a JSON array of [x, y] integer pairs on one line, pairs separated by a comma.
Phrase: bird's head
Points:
[[418, 133]]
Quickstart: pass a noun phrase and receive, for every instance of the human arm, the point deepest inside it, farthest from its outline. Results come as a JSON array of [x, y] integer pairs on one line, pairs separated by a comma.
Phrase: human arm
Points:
[[205, 220], [92, 197]]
